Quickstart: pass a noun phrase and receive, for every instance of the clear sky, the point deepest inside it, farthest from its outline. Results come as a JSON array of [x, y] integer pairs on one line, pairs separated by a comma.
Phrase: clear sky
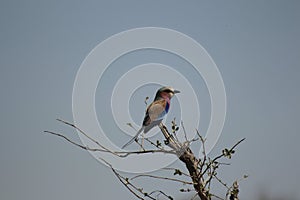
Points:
[[255, 45]]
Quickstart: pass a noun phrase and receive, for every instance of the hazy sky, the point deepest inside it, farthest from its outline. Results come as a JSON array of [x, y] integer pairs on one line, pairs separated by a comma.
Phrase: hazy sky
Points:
[[255, 45]]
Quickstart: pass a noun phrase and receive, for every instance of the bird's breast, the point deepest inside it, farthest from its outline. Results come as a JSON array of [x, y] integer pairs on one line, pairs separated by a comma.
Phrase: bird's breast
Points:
[[167, 107]]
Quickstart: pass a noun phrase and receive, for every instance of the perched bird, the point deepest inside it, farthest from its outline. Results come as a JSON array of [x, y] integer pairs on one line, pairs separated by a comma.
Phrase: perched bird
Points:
[[155, 111]]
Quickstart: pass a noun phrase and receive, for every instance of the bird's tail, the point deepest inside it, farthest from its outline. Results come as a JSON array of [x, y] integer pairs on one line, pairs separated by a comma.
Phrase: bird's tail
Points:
[[134, 138]]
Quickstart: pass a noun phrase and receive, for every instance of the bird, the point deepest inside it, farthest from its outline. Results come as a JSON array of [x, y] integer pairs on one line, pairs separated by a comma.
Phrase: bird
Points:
[[156, 111]]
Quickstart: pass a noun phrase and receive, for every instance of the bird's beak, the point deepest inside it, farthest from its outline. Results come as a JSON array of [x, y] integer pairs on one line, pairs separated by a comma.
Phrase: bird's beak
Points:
[[176, 91]]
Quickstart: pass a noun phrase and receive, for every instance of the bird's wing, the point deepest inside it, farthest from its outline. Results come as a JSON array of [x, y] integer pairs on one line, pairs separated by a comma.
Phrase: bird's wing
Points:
[[155, 111]]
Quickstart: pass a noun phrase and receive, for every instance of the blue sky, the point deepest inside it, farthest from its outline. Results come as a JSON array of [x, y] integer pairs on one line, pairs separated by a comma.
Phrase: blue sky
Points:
[[255, 45]]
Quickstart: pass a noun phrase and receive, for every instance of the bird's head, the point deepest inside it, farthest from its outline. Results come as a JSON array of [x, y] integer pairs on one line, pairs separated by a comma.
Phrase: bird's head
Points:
[[166, 92]]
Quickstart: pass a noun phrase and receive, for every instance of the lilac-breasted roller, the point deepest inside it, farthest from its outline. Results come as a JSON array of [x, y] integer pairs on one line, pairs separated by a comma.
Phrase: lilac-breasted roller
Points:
[[155, 111]]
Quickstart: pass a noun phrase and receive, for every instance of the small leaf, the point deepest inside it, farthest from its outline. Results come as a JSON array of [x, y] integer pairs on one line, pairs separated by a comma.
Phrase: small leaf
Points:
[[146, 99], [158, 144], [177, 171]]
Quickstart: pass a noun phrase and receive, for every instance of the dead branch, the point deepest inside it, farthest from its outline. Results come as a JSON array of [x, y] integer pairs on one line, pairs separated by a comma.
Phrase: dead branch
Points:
[[201, 171]]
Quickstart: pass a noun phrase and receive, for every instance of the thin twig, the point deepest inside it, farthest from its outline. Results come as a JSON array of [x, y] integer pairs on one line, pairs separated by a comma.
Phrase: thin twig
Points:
[[125, 182], [183, 128], [221, 182], [74, 143], [152, 143], [160, 192], [221, 155], [203, 151], [161, 177], [86, 135], [116, 153]]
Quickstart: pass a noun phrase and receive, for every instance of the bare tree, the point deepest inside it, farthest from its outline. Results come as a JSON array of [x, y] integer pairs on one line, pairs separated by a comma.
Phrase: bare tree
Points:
[[201, 172]]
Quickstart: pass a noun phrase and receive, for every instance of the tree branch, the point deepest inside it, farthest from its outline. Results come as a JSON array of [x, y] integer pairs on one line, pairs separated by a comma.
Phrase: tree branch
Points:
[[201, 172], [160, 177]]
